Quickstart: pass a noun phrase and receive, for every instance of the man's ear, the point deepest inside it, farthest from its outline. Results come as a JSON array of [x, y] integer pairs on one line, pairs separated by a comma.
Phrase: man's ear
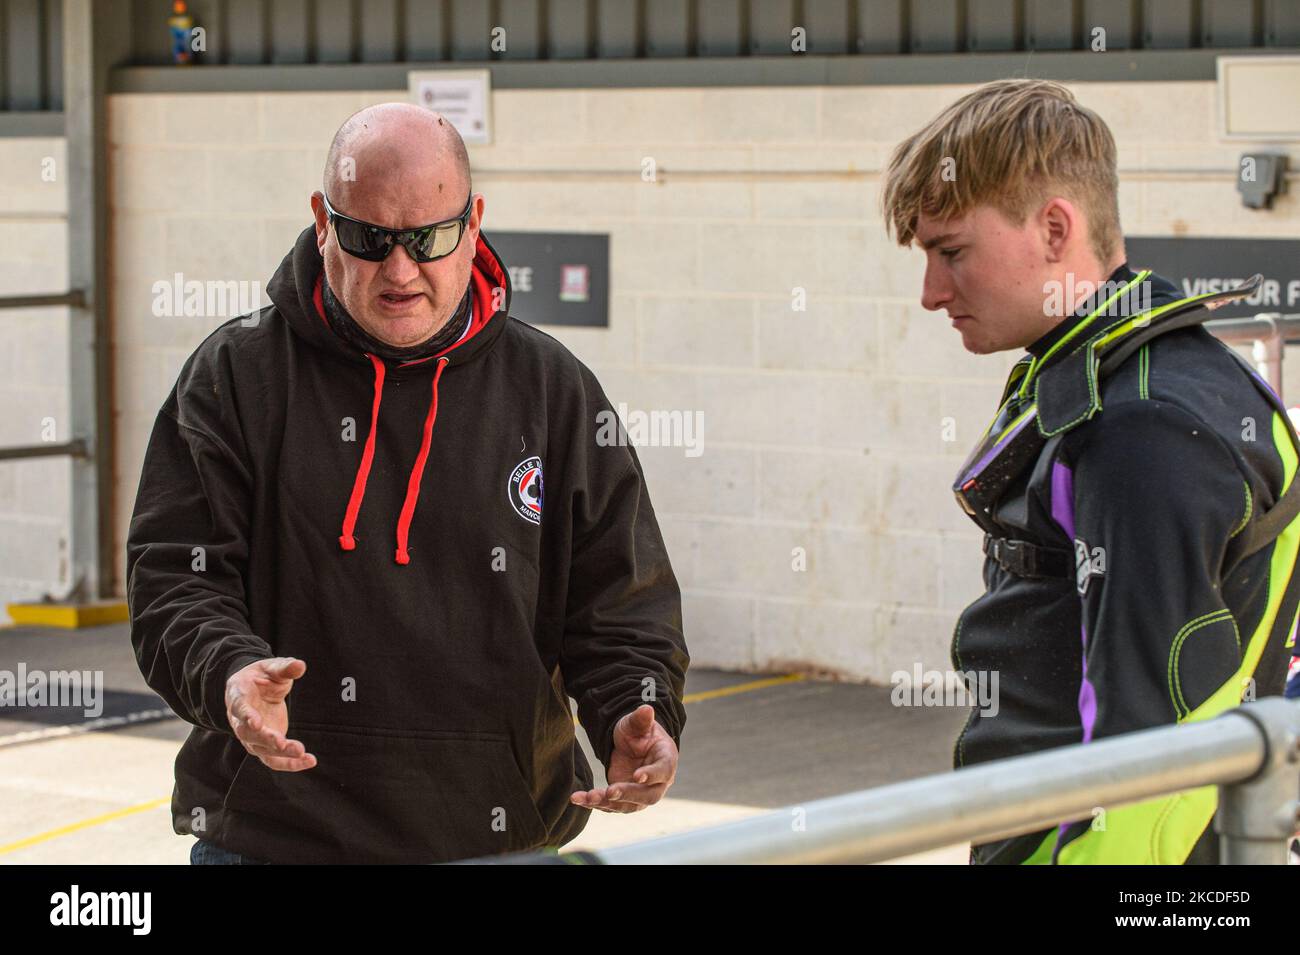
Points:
[[322, 219], [1059, 224], [475, 222]]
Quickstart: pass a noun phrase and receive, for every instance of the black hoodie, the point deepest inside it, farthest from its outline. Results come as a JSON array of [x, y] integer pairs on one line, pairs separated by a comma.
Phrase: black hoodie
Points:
[[389, 525]]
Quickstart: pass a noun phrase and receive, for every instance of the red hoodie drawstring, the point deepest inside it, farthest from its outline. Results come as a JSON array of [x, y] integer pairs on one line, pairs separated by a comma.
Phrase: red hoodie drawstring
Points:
[[347, 541], [417, 472]]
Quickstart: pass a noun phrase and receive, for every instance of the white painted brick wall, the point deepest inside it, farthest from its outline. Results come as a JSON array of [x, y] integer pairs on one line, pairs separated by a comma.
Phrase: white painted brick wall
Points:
[[34, 494], [822, 429]]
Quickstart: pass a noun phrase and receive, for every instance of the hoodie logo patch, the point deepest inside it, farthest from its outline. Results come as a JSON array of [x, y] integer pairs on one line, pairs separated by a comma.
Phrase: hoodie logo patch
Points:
[[526, 489]]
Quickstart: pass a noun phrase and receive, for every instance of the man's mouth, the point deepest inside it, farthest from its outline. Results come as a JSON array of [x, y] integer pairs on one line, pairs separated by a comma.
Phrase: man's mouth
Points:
[[398, 301]]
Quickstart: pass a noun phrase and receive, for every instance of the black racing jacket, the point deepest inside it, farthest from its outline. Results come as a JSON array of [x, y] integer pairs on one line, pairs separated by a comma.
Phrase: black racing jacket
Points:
[[1112, 602], [446, 542]]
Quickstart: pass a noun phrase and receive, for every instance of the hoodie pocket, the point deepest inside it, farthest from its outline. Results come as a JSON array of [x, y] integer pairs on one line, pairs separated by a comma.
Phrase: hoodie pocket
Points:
[[395, 796]]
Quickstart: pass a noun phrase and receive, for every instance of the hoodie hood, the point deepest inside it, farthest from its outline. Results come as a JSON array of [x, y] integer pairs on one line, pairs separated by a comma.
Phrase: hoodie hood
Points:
[[295, 289]]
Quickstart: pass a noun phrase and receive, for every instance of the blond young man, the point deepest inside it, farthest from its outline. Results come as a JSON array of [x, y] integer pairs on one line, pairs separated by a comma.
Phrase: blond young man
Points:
[[1139, 559]]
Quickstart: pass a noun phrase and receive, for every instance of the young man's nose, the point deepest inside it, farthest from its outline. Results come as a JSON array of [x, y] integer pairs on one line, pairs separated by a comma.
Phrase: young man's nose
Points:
[[935, 291]]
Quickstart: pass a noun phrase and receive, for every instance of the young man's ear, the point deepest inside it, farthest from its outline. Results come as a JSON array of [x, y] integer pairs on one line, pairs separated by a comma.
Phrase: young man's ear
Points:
[[1059, 222]]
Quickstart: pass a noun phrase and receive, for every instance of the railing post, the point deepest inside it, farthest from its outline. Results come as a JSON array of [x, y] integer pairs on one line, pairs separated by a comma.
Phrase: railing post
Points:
[[1258, 816], [96, 36], [1268, 353]]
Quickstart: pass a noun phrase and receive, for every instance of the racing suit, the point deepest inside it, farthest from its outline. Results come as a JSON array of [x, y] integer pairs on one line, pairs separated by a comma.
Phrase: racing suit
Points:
[[1111, 603]]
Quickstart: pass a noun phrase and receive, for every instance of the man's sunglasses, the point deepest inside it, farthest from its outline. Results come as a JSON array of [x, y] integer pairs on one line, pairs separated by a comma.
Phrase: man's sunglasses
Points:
[[373, 242]]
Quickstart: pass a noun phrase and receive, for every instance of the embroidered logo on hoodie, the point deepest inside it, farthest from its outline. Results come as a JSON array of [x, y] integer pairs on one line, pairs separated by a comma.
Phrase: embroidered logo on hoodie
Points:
[[526, 489]]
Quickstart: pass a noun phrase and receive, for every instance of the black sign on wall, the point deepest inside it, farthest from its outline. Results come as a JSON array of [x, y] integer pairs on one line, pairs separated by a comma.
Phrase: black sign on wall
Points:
[[556, 278], [1198, 265]]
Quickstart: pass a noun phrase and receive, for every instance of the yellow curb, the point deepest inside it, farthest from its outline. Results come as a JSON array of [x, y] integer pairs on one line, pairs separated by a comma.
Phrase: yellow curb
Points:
[[68, 616]]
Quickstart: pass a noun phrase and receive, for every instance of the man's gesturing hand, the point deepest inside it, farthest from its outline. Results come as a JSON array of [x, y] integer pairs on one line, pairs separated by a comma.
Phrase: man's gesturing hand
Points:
[[642, 766], [255, 707]]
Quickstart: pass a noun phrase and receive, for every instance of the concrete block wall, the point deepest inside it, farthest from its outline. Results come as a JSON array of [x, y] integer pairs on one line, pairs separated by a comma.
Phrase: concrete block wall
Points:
[[35, 502], [816, 530]]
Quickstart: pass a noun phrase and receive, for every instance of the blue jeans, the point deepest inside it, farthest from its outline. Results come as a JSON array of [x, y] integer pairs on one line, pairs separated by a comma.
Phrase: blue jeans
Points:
[[209, 853]]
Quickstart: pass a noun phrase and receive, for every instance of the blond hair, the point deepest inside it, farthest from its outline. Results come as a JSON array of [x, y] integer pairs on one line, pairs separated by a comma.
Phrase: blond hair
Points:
[[1010, 144]]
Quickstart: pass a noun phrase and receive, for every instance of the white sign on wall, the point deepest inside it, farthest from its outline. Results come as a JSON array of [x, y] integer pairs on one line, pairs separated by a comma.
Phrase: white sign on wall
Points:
[[1257, 98], [463, 96]]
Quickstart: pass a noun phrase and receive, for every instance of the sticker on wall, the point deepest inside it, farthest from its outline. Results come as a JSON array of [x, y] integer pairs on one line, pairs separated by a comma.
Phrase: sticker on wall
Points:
[[575, 283]]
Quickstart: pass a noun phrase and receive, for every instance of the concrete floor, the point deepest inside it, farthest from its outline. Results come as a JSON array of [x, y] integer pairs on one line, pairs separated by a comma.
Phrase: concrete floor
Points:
[[751, 744]]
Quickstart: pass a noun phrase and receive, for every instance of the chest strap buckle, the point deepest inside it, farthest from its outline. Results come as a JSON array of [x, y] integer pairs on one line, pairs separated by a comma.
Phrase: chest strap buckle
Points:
[[1027, 559]]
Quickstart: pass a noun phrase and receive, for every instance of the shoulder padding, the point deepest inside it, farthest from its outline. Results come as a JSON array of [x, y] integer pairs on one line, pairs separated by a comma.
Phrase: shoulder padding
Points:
[[1067, 393]]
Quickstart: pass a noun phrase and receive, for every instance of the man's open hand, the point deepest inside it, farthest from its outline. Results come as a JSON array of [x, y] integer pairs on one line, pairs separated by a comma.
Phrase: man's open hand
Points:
[[642, 766], [256, 711]]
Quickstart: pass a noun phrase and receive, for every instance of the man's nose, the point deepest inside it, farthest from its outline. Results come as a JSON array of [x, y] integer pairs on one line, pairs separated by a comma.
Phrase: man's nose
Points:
[[398, 267], [935, 291]]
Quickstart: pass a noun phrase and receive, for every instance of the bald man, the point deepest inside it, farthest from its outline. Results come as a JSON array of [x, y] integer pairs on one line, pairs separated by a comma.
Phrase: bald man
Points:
[[380, 540]]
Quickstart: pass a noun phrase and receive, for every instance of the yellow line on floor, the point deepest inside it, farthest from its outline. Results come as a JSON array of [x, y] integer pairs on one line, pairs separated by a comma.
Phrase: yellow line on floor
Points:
[[84, 824], [144, 807], [742, 688], [734, 689]]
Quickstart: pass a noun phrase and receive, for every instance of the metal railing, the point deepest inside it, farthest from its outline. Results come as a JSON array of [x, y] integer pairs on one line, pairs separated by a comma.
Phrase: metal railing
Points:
[[75, 298], [1251, 752], [1268, 333], [77, 447]]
